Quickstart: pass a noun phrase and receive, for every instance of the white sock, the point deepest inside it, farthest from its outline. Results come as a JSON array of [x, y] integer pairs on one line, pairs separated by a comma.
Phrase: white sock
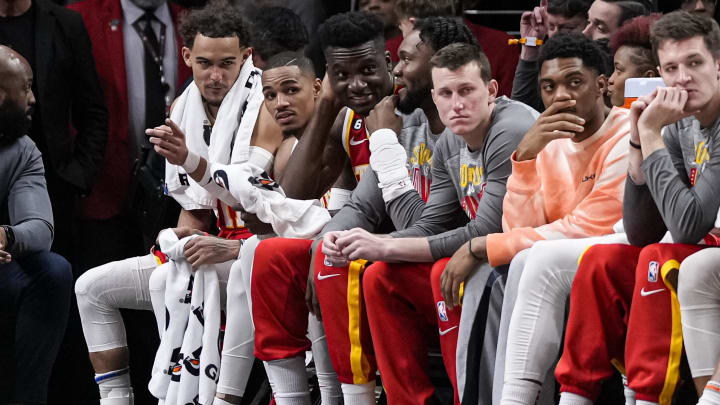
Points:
[[520, 392], [359, 394], [568, 398], [638, 402], [711, 395], [629, 395], [289, 381], [330, 392], [115, 388]]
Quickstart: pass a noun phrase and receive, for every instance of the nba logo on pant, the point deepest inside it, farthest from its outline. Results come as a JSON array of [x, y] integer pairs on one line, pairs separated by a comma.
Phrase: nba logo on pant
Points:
[[441, 311], [653, 268]]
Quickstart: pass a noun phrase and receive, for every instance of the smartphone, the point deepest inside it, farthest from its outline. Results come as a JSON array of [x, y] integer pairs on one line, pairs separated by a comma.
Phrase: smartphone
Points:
[[640, 86]]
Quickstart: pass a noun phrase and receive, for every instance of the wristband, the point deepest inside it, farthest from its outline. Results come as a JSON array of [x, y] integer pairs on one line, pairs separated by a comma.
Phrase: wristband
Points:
[[192, 161], [478, 258], [527, 41], [261, 158], [338, 198], [634, 145]]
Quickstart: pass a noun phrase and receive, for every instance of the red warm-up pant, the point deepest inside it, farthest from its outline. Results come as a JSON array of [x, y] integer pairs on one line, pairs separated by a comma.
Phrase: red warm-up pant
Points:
[[604, 328], [279, 281], [403, 321]]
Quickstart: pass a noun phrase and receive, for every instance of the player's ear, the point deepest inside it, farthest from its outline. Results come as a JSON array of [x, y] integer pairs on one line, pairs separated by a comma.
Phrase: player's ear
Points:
[[317, 88], [602, 83], [492, 90], [187, 56], [388, 60]]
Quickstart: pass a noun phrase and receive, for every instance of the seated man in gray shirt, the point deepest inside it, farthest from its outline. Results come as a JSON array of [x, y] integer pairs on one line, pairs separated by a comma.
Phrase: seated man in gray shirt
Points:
[[280, 267], [469, 169], [35, 284]]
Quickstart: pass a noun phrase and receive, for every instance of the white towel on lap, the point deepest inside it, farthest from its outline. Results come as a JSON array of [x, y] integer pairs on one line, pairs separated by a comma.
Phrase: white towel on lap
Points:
[[229, 140], [186, 364], [251, 186]]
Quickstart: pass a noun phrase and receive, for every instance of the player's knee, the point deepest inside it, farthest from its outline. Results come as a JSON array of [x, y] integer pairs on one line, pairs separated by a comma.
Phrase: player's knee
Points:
[[697, 272], [374, 279], [58, 272], [90, 283]]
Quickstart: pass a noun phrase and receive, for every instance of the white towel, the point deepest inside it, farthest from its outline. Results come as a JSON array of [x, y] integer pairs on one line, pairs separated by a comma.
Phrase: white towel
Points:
[[229, 139], [251, 186], [186, 364]]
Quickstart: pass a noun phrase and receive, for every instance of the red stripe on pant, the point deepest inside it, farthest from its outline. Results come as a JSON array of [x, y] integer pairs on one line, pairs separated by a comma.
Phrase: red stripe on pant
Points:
[[653, 347], [339, 292], [402, 319], [279, 281]]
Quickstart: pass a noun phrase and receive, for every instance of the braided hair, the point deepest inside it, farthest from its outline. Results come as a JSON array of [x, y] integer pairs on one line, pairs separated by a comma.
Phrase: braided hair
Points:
[[439, 32]]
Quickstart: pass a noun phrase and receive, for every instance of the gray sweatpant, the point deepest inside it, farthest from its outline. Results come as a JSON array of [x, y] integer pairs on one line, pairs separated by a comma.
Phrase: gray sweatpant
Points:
[[478, 332]]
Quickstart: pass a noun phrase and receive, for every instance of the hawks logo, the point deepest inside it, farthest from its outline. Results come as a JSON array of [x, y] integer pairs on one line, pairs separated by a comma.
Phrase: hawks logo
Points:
[[176, 367], [264, 181], [192, 362], [221, 179]]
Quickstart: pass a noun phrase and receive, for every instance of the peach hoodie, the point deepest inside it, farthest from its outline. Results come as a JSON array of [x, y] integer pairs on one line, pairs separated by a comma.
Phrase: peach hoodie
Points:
[[570, 190]]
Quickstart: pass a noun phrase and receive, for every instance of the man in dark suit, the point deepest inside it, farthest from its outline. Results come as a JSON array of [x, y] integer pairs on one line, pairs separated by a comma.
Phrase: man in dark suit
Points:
[[35, 284], [70, 119]]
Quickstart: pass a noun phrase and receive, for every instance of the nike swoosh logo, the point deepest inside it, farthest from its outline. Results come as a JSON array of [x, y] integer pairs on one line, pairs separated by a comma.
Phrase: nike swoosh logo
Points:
[[356, 143], [446, 331], [323, 277], [646, 293]]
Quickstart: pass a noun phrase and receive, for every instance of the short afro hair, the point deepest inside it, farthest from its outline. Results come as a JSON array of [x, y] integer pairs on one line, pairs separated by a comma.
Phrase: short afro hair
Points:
[[348, 30], [455, 56], [275, 30], [680, 25], [218, 19], [635, 33], [591, 53], [569, 8], [291, 59], [439, 32]]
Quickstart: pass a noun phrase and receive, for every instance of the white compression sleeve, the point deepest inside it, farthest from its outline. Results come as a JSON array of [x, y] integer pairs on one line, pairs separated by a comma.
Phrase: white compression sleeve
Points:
[[389, 161]]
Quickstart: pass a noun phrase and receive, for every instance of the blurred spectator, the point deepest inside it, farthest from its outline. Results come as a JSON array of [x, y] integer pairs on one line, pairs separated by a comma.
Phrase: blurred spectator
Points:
[[34, 283], [311, 12], [276, 30], [606, 17], [494, 43], [549, 18], [70, 119], [705, 7], [385, 10]]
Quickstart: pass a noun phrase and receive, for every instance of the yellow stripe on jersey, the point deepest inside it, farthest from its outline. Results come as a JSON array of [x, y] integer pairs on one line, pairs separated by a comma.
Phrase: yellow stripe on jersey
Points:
[[348, 125], [672, 375], [358, 362]]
